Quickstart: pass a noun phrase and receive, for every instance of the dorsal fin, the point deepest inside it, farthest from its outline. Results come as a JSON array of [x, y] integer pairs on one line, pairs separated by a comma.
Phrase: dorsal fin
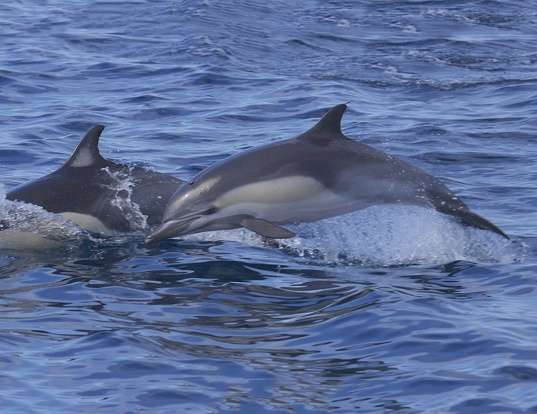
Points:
[[87, 152], [329, 126]]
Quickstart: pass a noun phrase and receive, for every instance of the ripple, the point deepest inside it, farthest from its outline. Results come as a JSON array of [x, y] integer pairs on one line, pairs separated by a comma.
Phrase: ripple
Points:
[[144, 98], [390, 310]]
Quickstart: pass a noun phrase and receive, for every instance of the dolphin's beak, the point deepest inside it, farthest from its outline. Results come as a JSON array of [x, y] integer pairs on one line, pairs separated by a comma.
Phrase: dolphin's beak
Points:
[[175, 227], [167, 230]]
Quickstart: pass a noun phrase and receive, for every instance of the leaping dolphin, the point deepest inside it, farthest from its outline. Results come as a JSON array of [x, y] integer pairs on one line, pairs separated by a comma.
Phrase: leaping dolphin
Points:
[[318, 174], [100, 195]]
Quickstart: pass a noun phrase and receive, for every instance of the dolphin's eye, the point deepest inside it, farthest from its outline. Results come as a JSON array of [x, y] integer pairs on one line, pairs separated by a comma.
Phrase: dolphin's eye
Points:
[[211, 210]]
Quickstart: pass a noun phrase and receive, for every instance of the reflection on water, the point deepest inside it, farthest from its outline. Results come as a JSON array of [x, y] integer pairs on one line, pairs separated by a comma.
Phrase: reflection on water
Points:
[[204, 330]]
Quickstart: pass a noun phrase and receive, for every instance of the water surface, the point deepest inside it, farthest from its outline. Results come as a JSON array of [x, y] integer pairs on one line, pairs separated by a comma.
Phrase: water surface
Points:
[[387, 310]]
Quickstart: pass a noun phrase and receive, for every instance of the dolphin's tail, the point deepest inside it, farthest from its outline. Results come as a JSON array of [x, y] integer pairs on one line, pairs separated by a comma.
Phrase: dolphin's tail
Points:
[[471, 219], [444, 201], [475, 220]]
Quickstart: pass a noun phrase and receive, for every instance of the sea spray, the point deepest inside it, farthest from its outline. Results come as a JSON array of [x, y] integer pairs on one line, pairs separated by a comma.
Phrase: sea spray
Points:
[[27, 226], [386, 235], [123, 184]]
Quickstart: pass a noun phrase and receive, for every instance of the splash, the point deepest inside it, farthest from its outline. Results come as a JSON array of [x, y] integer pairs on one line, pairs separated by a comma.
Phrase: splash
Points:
[[123, 184], [388, 236], [27, 226]]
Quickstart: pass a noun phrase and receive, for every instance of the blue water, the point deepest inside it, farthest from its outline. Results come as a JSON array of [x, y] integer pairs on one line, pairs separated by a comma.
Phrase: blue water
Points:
[[391, 310]]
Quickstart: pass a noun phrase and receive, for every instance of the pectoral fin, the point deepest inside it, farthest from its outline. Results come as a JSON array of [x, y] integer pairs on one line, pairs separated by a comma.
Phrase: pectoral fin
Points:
[[266, 228]]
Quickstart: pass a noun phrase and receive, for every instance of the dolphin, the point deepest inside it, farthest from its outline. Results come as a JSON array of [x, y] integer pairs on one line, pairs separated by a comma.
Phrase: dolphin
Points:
[[318, 174], [100, 195]]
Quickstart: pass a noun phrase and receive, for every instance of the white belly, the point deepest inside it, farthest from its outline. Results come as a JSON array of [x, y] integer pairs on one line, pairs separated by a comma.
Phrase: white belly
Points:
[[87, 222], [24, 240]]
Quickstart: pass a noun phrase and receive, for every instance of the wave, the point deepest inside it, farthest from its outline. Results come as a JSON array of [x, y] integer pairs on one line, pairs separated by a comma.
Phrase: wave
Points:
[[387, 236], [25, 226]]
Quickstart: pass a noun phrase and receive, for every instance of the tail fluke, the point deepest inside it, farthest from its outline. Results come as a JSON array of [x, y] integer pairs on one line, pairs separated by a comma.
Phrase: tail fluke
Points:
[[446, 202], [475, 220]]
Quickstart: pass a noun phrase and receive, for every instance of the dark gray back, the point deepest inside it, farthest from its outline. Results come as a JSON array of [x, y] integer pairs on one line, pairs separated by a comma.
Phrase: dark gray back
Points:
[[87, 183]]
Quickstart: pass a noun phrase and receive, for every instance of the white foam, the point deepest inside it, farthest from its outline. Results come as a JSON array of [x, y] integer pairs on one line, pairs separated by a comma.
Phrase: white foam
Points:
[[388, 236], [26, 226], [123, 182]]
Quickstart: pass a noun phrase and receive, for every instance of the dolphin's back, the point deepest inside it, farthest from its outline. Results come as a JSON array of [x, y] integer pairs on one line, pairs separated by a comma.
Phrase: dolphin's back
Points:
[[85, 192], [152, 191], [422, 188]]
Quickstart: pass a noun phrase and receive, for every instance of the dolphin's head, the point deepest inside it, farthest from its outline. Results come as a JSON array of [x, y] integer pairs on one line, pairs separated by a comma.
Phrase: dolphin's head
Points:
[[191, 209]]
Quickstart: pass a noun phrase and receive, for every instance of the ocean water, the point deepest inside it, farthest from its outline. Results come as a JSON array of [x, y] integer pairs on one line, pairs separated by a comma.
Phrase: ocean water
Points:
[[391, 309]]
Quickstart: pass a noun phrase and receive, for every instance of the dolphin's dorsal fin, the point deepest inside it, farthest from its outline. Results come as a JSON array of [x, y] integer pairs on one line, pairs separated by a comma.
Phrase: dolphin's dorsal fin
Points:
[[328, 128], [87, 152]]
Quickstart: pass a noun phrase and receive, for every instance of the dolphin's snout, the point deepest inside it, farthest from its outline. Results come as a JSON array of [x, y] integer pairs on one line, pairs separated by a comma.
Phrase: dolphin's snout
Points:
[[152, 238], [166, 230], [171, 228]]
